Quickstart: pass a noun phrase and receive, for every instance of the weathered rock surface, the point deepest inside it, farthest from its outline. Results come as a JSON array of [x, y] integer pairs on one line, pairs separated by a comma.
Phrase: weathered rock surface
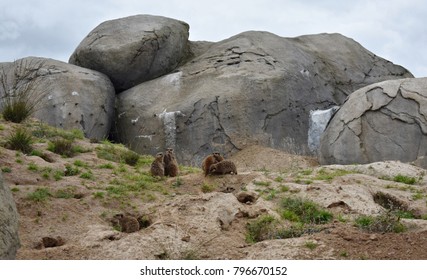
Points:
[[134, 49], [9, 240], [383, 121], [253, 88], [69, 96]]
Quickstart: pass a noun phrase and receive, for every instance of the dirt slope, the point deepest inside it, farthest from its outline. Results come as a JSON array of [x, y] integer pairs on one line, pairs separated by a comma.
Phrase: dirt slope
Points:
[[73, 199]]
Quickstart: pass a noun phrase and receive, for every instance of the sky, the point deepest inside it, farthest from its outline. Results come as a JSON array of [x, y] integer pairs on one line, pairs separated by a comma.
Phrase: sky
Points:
[[393, 29]]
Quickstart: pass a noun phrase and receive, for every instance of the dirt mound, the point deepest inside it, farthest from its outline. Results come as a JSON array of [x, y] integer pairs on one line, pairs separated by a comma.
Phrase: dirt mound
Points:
[[258, 158]]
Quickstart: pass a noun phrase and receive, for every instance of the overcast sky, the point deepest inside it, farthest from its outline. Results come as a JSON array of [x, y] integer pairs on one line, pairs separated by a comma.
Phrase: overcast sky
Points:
[[393, 29]]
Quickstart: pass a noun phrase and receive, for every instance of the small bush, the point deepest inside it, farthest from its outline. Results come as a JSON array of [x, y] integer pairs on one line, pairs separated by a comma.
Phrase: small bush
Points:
[[386, 222], [20, 140], [106, 166], [71, 170], [304, 211], [208, 188], [261, 229], [6, 169], [15, 110], [39, 195], [131, 158], [87, 175], [22, 90], [64, 193], [61, 147], [117, 153]]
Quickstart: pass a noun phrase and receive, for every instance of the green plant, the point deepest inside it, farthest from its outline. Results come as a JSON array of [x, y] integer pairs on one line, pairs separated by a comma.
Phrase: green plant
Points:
[[80, 163], [404, 179], [262, 183], [33, 167], [117, 153], [98, 195], [22, 89], [261, 229], [278, 179], [271, 195], [329, 175], [6, 169], [57, 175], [304, 211], [64, 193], [107, 166], [61, 147], [87, 175], [178, 182], [311, 245], [71, 170], [208, 188], [385, 222], [39, 195], [20, 140]]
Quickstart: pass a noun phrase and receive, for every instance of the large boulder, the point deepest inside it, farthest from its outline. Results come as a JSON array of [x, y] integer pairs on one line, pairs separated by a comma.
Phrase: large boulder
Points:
[[9, 240], [383, 121], [253, 88], [64, 95], [134, 49]]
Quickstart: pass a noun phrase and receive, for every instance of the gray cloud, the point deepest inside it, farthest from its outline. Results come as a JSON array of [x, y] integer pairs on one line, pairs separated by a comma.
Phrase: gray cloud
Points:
[[393, 29]]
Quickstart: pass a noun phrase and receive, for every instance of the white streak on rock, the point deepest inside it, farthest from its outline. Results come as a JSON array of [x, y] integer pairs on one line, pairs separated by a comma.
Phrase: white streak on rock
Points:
[[169, 126], [318, 121]]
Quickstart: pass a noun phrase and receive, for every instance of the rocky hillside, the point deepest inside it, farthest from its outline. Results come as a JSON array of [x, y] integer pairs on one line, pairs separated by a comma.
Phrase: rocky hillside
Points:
[[279, 206]]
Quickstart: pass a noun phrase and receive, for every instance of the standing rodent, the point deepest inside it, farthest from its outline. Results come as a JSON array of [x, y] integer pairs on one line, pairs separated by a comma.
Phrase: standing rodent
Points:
[[158, 166], [171, 165], [126, 223], [215, 157], [223, 167]]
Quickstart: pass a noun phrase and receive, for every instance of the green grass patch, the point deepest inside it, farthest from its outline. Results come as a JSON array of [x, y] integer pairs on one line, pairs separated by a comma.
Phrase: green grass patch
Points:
[[206, 188], [39, 195], [6, 169], [328, 175], [385, 222], [304, 211], [262, 228], [404, 179], [20, 140], [262, 183], [117, 153]]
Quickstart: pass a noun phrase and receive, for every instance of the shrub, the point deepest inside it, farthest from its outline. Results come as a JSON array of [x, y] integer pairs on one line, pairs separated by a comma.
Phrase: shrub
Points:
[[39, 195], [304, 211], [206, 188], [71, 170], [61, 147], [117, 153], [22, 90], [261, 229], [20, 140], [385, 222]]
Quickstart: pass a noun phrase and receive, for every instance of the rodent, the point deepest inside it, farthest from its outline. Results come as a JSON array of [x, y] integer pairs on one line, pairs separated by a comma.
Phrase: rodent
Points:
[[171, 164], [223, 167], [215, 157], [158, 166], [126, 223]]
